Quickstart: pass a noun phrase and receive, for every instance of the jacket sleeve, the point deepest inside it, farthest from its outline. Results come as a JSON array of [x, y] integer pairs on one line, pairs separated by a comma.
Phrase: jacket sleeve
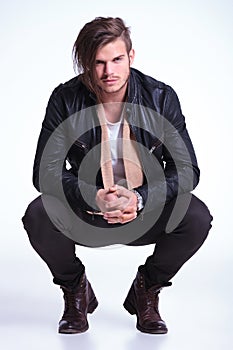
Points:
[[50, 175], [181, 173]]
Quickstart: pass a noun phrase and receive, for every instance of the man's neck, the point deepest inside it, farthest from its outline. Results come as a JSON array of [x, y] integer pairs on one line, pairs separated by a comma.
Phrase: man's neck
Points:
[[113, 111], [113, 104]]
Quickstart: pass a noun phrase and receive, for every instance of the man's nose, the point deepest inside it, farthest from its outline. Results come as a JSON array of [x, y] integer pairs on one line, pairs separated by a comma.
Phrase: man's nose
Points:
[[108, 69]]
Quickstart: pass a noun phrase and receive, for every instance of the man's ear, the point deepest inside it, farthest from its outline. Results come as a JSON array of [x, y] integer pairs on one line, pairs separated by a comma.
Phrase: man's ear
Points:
[[131, 56]]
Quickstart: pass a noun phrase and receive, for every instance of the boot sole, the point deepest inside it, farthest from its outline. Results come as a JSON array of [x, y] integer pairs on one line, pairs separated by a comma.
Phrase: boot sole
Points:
[[151, 331], [73, 330]]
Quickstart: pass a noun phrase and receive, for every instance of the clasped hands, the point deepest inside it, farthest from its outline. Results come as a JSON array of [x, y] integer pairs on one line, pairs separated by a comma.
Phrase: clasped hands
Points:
[[118, 204]]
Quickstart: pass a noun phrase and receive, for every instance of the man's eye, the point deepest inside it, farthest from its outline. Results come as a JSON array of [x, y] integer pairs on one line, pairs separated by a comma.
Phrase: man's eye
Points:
[[99, 62], [117, 59]]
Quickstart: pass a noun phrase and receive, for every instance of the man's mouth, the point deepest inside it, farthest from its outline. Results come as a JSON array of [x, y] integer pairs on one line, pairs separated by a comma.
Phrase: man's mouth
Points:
[[109, 80]]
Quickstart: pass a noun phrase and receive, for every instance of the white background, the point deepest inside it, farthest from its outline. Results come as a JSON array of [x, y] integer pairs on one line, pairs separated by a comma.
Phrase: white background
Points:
[[186, 44]]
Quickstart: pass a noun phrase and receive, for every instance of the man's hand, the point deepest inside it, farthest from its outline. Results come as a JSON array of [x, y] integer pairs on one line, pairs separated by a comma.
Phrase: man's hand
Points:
[[118, 204], [108, 200]]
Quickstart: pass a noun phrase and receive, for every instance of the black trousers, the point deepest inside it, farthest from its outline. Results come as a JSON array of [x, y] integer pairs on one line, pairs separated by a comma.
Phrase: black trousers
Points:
[[55, 242]]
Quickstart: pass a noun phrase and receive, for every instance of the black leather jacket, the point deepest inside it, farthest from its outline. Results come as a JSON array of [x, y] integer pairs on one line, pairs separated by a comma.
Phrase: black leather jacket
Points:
[[70, 131]]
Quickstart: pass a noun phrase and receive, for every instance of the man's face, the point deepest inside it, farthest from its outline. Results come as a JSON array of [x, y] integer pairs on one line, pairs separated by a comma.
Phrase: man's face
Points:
[[112, 67]]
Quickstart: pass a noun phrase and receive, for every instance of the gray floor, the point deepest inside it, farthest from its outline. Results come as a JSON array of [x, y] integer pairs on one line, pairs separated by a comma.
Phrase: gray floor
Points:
[[197, 308]]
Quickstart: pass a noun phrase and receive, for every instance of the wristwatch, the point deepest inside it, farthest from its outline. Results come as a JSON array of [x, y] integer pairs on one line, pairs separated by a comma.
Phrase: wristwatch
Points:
[[140, 204]]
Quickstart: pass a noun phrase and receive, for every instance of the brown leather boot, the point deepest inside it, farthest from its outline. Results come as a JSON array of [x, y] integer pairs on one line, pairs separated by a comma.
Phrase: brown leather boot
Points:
[[144, 303], [77, 305]]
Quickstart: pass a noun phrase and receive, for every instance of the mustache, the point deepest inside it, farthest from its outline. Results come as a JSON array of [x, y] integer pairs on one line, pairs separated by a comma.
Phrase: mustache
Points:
[[105, 77]]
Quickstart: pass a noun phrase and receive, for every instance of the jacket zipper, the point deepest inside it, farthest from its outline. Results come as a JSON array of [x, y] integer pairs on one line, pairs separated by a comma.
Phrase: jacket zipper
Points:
[[81, 144], [156, 145]]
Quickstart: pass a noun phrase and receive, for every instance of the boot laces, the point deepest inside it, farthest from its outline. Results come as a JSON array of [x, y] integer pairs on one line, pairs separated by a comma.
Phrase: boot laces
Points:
[[71, 305], [153, 299]]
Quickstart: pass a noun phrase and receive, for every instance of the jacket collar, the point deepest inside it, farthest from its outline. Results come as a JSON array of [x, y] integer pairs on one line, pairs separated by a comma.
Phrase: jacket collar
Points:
[[132, 87]]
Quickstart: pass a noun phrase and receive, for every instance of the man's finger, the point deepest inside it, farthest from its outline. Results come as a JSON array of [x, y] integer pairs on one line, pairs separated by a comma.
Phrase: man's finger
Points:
[[112, 214], [122, 191], [122, 219], [128, 217], [117, 204], [130, 209]]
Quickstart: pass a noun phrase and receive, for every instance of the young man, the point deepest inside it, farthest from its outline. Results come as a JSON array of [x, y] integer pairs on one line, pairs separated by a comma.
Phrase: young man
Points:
[[114, 164]]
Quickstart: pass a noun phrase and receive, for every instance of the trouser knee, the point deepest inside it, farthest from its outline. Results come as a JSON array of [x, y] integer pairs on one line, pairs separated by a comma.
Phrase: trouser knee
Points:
[[197, 221], [34, 218]]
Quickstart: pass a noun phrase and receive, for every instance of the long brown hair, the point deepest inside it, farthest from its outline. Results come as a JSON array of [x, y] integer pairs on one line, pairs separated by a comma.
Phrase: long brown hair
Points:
[[93, 36]]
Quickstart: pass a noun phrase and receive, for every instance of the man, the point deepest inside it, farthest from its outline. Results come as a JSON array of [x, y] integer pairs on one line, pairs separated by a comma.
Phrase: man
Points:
[[115, 164]]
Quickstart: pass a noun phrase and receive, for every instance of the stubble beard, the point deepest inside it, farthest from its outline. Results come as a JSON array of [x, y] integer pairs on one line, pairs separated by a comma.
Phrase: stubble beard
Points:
[[118, 90]]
